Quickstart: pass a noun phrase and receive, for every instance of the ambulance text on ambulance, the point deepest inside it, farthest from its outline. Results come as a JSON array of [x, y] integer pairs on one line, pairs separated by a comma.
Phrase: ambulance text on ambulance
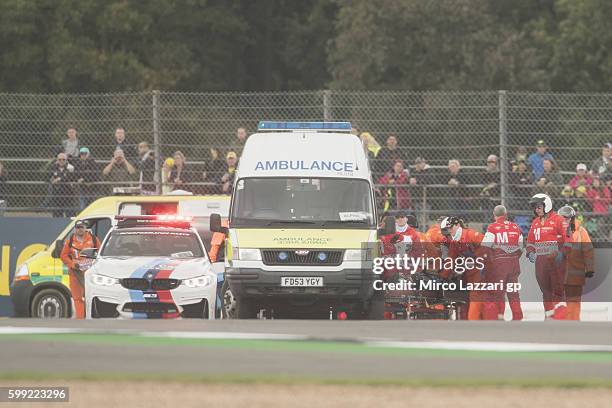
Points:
[[320, 165]]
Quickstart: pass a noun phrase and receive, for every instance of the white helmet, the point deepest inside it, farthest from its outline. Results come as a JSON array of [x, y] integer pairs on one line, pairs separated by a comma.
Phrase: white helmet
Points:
[[542, 199], [567, 212], [447, 223]]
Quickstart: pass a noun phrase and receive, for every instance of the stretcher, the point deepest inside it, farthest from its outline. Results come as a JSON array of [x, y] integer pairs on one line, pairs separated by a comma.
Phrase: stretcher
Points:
[[418, 304]]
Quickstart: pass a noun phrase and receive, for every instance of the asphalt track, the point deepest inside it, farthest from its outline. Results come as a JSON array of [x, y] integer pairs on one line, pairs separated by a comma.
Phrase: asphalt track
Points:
[[342, 350]]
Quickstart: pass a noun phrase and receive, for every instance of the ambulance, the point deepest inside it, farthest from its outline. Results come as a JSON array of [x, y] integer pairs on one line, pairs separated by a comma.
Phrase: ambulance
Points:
[[41, 284], [302, 225]]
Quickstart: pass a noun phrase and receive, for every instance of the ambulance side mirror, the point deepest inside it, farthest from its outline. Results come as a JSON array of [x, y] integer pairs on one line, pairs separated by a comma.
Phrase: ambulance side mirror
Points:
[[215, 224], [89, 253], [57, 251]]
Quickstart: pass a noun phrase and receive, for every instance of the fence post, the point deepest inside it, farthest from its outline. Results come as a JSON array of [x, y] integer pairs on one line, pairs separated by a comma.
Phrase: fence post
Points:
[[424, 214], [156, 143], [503, 145], [327, 115]]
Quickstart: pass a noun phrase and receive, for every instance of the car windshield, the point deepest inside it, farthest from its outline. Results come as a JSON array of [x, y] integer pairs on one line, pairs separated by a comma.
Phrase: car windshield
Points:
[[312, 202], [177, 244]]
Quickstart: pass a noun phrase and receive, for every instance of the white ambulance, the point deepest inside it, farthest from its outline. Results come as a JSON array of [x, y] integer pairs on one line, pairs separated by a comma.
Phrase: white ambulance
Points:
[[302, 225]]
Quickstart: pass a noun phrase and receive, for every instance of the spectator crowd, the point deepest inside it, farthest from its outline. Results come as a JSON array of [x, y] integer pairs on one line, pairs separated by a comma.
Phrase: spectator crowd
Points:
[[469, 192], [79, 174]]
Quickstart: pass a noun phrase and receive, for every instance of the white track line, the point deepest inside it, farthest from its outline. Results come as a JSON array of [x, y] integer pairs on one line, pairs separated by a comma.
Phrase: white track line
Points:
[[168, 334], [223, 335], [379, 343], [38, 330], [489, 346]]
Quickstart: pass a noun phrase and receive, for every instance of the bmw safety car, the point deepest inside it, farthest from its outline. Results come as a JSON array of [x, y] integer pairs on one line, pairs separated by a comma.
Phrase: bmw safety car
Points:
[[150, 267]]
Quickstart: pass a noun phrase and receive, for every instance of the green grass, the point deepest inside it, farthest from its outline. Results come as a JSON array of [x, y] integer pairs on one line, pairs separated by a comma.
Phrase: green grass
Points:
[[551, 382], [413, 356], [306, 346]]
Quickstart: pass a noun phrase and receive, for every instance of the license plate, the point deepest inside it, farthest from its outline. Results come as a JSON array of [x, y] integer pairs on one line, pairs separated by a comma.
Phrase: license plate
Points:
[[301, 281], [149, 295]]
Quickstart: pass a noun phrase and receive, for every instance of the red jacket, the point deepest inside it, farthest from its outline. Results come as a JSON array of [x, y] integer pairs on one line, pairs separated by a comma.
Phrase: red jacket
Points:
[[599, 199], [503, 239], [547, 234], [396, 187], [575, 181], [411, 235], [389, 248]]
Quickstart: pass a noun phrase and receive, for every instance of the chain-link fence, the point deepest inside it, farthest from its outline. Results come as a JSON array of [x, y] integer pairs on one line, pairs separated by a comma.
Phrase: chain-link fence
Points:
[[457, 152]]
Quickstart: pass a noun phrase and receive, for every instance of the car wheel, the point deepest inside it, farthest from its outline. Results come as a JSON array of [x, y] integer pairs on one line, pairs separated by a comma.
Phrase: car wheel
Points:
[[376, 308], [246, 309], [94, 309], [228, 302], [49, 304]]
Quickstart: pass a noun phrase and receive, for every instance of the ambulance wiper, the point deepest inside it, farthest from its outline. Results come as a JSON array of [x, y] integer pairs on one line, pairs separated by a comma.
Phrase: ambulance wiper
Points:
[[345, 222], [289, 222]]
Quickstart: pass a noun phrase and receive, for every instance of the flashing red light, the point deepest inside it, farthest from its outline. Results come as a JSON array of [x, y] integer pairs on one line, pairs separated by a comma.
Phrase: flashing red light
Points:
[[142, 220], [342, 316], [166, 217]]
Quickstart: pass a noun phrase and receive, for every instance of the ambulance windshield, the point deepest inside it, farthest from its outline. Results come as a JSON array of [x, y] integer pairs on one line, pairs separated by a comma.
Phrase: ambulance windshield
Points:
[[316, 202]]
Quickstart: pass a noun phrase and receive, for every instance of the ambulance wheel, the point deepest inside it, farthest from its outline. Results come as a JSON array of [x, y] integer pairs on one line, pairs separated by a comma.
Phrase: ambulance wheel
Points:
[[376, 307], [228, 302], [246, 308], [49, 304]]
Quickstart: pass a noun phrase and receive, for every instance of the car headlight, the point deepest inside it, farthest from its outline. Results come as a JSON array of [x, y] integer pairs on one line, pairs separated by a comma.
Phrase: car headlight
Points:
[[358, 255], [23, 273], [248, 254], [103, 280], [198, 281]]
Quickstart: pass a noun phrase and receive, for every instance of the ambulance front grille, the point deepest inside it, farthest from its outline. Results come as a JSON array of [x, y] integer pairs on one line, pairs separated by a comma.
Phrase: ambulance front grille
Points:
[[293, 257]]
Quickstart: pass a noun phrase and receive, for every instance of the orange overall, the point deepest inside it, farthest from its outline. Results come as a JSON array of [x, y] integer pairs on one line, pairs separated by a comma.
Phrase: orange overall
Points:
[[216, 243], [71, 256], [468, 246], [434, 243], [579, 262]]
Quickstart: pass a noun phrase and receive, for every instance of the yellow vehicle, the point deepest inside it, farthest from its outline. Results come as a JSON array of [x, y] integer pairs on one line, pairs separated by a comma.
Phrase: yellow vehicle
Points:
[[40, 286]]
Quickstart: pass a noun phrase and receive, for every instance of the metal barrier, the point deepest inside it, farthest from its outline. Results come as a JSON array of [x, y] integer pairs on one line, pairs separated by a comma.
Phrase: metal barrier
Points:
[[201, 129]]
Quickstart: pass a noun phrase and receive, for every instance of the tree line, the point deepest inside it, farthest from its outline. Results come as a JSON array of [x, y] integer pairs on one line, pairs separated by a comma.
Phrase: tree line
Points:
[[253, 45]]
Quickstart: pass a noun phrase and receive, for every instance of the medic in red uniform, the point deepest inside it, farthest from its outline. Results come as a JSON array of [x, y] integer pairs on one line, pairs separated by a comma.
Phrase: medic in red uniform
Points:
[[398, 238], [410, 236], [504, 242], [544, 248]]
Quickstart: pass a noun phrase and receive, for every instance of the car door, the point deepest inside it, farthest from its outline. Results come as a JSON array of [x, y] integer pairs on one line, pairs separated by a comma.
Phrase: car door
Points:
[[99, 227]]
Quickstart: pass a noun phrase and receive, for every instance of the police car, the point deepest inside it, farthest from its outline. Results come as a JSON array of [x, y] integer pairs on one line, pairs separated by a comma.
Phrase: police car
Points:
[[150, 267]]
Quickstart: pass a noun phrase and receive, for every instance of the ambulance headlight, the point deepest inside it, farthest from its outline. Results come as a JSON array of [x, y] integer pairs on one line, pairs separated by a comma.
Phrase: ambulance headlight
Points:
[[22, 273], [198, 281], [103, 280], [358, 255], [249, 254]]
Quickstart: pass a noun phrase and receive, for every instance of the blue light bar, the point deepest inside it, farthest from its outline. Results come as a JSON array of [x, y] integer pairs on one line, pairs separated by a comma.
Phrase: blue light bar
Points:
[[269, 125]]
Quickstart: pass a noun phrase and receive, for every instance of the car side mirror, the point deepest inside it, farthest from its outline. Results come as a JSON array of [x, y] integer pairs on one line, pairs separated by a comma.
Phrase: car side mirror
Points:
[[89, 253], [215, 224], [57, 251]]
